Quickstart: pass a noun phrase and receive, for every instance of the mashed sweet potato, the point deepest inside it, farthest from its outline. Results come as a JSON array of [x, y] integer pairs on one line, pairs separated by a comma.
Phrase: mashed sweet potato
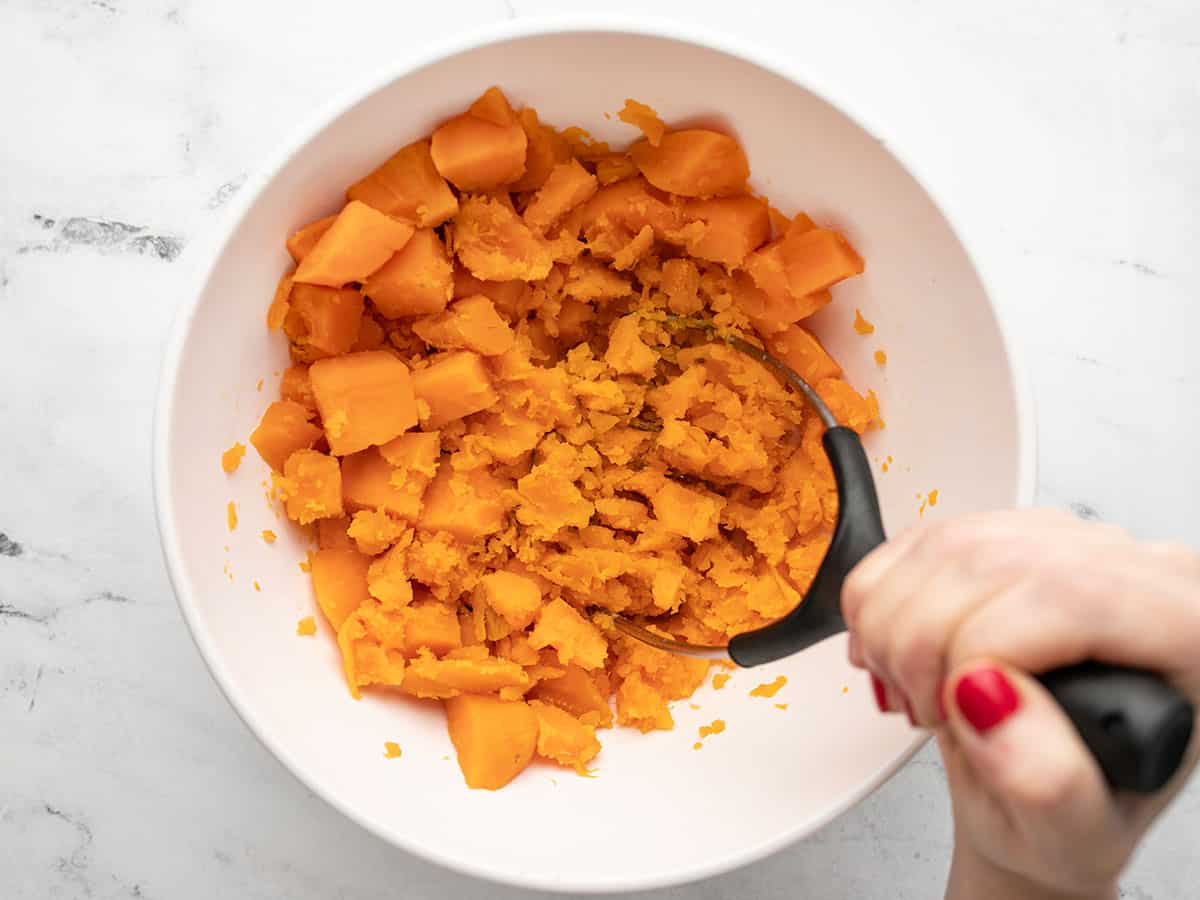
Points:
[[508, 417]]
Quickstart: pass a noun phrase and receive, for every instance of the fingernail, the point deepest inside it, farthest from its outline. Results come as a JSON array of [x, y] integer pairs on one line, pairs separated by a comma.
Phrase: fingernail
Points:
[[880, 693], [986, 698]]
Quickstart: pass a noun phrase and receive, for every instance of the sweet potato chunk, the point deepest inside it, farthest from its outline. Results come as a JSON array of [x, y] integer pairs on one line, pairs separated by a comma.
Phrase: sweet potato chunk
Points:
[[360, 240], [688, 512], [482, 149], [800, 349], [693, 163], [430, 625], [545, 149], [311, 486], [280, 303], [574, 638], [468, 505], [340, 580], [408, 187], [295, 385], [304, 239], [468, 324], [515, 597], [564, 739], [495, 245], [734, 226], [767, 267], [284, 429], [326, 319], [505, 295], [645, 119], [417, 281], [495, 739], [454, 386], [576, 692], [469, 675], [331, 533], [818, 258], [364, 399], [772, 314], [568, 185], [369, 481]]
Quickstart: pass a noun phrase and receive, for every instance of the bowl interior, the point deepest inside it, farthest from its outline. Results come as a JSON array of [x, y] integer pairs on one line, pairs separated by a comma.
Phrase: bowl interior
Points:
[[657, 811]]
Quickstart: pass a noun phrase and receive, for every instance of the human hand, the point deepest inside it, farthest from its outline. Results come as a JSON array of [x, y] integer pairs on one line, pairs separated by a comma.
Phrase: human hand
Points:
[[951, 618]]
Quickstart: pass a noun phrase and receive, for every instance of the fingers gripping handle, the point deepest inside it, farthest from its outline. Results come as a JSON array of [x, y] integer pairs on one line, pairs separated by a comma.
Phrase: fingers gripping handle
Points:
[[1137, 726]]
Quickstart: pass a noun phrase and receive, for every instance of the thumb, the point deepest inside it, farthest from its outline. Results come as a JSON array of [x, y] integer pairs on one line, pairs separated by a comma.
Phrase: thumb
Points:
[[1022, 748]]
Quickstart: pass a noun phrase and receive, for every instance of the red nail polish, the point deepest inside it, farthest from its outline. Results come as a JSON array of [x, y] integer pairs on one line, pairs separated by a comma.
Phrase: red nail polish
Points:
[[986, 698], [880, 693]]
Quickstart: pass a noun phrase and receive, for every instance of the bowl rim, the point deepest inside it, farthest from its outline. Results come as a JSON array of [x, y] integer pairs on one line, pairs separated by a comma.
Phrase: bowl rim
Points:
[[202, 256]]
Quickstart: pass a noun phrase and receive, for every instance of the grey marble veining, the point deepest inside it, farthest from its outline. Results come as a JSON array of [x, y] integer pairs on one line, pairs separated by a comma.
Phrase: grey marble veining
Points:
[[1064, 137]]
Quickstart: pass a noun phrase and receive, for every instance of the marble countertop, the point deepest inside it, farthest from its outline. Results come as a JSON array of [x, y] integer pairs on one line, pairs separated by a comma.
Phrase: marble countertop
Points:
[[1065, 135]]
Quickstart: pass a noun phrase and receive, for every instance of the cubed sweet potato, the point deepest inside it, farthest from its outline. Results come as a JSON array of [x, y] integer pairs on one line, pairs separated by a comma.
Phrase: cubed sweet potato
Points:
[[575, 691], [733, 227], [515, 597], [295, 385], [374, 531], [468, 324], [818, 258], [544, 150], [408, 187], [799, 348], [482, 149], [323, 318], [340, 580], [280, 303], [430, 625], [417, 281], [311, 486], [771, 314], [331, 533], [574, 638], [283, 429], [304, 239], [494, 739], [505, 295], [564, 739], [364, 398], [369, 481], [767, 267], [360, 240], [568, 185], [695, 162], [468, 505], [471, 673], [496, 245], [455, 385]]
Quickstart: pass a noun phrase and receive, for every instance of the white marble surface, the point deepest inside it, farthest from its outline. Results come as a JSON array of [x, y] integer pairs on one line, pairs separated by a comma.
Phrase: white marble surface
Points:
[[1064, 135]]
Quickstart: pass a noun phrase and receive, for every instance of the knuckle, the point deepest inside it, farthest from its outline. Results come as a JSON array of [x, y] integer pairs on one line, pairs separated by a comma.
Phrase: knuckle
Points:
[[915, 658]]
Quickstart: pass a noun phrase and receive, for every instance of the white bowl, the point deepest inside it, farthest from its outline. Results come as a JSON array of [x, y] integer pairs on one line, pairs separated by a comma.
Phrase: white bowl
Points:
[[657, 813]]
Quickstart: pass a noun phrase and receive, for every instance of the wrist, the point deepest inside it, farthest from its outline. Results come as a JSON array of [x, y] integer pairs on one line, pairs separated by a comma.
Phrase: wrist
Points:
[[974, 877]]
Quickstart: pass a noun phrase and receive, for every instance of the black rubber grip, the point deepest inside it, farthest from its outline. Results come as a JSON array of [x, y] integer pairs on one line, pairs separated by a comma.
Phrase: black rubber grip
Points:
[[1137, 725]]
